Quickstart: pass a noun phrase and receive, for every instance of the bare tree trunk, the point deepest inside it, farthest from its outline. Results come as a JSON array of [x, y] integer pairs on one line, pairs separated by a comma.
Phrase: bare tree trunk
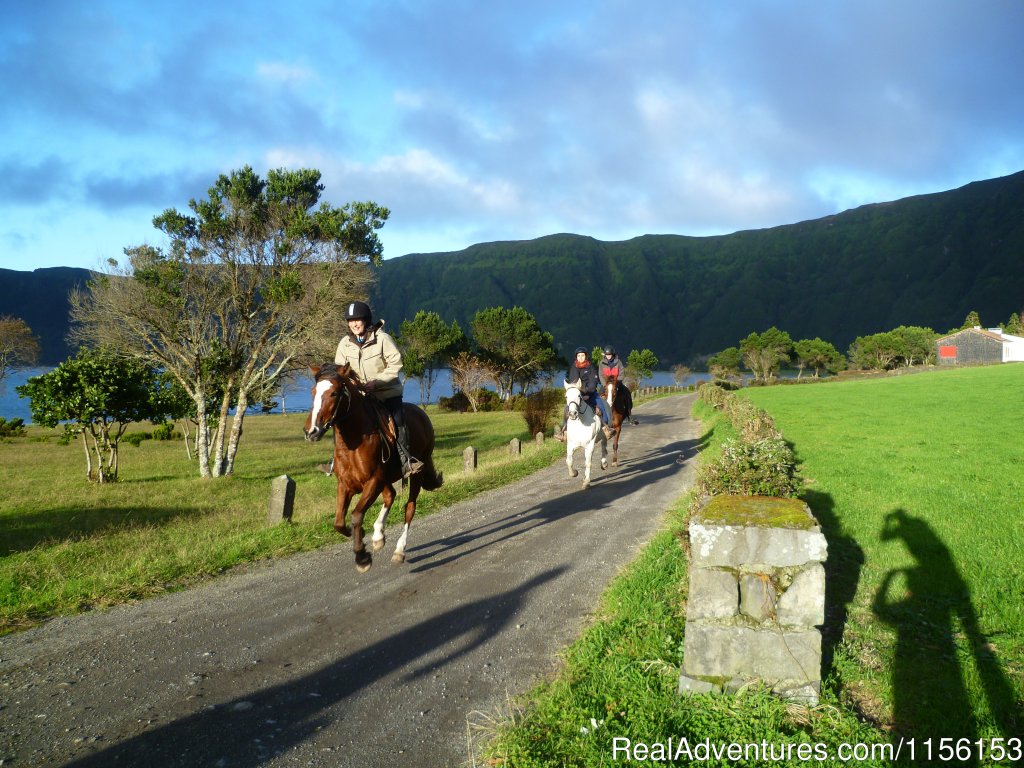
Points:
[[202, 435], [236, 433], [217, 456], [88, 457]]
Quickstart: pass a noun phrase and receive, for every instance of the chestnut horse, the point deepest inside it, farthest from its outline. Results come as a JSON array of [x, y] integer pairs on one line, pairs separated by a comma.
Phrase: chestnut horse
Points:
[[365, 460], [617, 410]]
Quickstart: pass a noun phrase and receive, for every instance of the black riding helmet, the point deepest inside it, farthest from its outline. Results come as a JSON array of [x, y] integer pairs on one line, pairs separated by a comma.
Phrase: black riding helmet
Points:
[[580, 349], [609, 350], [358, 310]]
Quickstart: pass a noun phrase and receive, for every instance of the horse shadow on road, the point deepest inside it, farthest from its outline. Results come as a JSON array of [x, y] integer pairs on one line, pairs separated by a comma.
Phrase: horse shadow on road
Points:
[[609, 491], [262, 725]]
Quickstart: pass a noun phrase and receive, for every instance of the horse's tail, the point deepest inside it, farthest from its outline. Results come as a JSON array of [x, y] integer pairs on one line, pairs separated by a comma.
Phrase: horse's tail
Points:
[[431, 478]]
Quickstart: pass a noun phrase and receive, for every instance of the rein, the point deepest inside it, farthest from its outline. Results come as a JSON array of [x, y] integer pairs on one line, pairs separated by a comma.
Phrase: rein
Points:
[[371, 412]]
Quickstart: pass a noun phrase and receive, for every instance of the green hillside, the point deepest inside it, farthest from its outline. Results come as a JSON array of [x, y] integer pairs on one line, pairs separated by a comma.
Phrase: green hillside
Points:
[[925, 260]]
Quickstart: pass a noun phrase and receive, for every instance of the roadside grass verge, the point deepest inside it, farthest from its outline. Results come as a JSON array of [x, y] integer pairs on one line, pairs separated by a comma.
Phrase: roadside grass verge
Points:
[[615, 700], [917, 482], [67, 545]]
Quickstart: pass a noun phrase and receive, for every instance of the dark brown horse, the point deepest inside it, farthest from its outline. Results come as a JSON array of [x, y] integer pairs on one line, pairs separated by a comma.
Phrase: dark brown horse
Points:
[[365, 458], [617, 409]]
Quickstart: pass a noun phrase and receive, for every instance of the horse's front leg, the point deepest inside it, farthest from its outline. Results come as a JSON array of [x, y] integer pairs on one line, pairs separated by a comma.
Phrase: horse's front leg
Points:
[[410, 511], [387, 499], [570, 449], [367, 496], [344, 498], [615, 452], [588, 455]]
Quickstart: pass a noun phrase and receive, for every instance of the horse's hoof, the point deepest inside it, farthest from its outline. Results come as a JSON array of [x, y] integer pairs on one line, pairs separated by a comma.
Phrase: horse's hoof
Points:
[[604, 463], [398, 558], [363, 561], [586, 485], [378, 544], [344, 531], [573, 473]]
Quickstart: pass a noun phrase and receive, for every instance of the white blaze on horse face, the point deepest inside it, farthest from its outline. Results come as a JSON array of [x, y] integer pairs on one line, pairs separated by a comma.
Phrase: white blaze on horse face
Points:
[[321, 389]]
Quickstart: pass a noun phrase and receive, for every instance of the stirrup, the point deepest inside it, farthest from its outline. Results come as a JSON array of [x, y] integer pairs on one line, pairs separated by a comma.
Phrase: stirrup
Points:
[[411, 466]]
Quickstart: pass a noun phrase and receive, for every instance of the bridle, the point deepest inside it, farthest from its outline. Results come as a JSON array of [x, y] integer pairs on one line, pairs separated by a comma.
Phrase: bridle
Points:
[[335, 415]]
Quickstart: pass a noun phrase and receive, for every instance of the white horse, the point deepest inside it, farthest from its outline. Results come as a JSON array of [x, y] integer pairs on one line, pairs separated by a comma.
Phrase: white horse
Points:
[[582, 430]]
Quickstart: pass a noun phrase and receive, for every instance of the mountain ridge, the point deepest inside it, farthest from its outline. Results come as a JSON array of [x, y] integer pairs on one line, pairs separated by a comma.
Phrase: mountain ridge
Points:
[[923, 260]]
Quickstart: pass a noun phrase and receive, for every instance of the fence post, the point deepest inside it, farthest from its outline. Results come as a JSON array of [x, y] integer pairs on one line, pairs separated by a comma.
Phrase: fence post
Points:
[[469, 459], [540, 438], [515, 447]]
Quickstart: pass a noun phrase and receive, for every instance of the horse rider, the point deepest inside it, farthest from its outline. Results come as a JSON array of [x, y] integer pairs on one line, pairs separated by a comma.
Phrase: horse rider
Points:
[[375, 359], [612, 366], [582, 371]]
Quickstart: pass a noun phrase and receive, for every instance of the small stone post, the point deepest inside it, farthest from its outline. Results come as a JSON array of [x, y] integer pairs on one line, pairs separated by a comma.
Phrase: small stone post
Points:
[[540, 438], [757, 597], [282, 500], [515, 447], [469, 459]]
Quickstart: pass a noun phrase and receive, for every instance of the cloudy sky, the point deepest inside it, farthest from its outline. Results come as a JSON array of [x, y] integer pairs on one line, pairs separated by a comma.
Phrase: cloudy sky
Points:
[[476, 121]]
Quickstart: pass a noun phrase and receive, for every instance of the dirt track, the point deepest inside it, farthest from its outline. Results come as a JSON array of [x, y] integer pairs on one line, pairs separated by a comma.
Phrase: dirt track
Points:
[[304, 662]]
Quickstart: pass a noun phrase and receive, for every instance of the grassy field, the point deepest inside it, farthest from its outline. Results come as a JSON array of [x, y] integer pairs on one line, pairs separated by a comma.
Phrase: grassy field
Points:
[[67, 545], [917, 483]]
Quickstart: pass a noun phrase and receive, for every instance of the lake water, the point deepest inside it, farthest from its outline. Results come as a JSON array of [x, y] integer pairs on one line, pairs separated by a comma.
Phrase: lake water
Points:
[[296, 395]]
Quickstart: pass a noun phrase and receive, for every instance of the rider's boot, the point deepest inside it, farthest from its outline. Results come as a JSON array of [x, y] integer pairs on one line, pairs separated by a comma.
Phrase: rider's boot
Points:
[[609, 433], [560, 434], [410, 465], [328, 468]]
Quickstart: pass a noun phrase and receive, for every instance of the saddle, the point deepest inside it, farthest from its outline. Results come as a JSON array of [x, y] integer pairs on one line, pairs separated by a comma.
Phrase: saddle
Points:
[[385, 421]]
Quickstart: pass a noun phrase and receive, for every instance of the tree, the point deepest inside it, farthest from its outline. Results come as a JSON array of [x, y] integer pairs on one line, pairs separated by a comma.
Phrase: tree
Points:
[[640, 364], [971, 321], [879, 351], [819, 355], [1014, 326], [513, 345], [248, 290], [916, 345], [763, 353], [680, 373], [97, 395], [18, 345], [427, 343], [726, 364], [469, 373]]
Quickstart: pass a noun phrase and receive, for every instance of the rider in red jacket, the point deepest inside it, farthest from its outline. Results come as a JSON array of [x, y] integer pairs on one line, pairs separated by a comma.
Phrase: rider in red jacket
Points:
[[612, 366]]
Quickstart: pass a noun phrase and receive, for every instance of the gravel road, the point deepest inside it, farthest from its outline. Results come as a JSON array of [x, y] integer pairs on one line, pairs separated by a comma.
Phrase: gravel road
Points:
[[301, 661]]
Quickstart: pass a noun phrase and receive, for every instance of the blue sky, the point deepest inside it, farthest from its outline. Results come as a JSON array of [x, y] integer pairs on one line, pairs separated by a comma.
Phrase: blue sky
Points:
[[478, 121]]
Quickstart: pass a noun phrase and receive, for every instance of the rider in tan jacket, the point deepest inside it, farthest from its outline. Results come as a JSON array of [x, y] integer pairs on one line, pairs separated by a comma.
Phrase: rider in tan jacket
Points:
[[376, 360]]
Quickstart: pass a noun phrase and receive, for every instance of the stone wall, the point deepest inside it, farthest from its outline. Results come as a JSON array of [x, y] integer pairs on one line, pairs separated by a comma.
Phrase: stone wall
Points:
[[756, 597]]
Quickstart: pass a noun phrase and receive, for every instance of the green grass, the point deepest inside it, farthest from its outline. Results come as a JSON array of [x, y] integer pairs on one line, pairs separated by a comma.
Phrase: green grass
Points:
[[67, 545], [918, 483], [940, 656]]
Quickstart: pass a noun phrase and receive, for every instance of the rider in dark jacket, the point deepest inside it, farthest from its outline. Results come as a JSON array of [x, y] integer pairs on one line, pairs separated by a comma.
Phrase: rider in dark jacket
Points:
[[583, 371]]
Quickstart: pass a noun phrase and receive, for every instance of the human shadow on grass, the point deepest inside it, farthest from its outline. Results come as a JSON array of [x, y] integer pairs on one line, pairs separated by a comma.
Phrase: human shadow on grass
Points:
[[929, 605], [608, 492], [259, 726]]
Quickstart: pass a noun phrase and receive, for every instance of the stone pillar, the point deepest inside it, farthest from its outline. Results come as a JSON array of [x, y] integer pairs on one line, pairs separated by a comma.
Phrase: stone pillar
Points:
[[757, 597], [282, 500], [539, 438], [469, 459], [515, 447]]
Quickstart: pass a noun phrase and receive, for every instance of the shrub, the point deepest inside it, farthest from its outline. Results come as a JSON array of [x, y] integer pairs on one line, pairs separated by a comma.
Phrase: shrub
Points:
[[12, 428], [457, 403], [163, 431], [764, 467], [136, 438], [539, 407]]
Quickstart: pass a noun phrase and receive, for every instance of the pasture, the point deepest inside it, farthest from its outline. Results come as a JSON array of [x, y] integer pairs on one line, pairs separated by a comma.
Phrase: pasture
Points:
[[67, 545], [917, 482]]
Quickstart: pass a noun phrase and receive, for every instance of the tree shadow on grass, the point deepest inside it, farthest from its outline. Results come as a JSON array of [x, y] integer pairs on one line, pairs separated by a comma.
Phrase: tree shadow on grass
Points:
[[929, 605], [63, 524]]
